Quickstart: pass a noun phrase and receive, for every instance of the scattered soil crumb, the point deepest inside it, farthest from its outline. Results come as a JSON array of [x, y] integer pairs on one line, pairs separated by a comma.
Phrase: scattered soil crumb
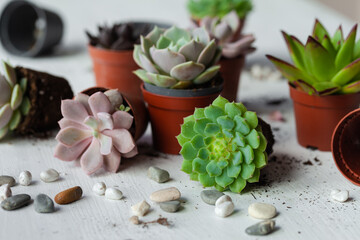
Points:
[[161, 220], [312, 148], [276, 101], [253, 196], [308, 162]]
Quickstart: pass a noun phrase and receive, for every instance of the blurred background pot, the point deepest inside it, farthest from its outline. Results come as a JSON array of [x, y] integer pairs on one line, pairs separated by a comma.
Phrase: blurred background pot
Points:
[[28, 30]]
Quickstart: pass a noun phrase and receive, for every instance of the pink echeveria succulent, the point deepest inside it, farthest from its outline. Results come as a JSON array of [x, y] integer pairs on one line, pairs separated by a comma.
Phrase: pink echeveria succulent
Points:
[[95, 130]]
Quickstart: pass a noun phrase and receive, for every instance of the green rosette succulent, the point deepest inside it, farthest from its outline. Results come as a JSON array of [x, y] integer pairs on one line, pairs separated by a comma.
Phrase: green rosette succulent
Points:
[[223, 146], [177, 58], [325, 65], [13, 103]]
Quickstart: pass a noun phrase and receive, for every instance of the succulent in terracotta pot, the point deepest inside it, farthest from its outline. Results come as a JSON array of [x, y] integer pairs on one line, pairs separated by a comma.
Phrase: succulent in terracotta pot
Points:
[[223, 145], [30, 100], [324, 82], [96, 130]]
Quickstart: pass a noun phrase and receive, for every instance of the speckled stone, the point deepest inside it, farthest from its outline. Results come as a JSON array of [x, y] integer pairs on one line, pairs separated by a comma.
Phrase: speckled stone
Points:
[[43, 204], [15, 202], [171, 206], [261, 228], [210, 196], [7, 180], [158, 175]]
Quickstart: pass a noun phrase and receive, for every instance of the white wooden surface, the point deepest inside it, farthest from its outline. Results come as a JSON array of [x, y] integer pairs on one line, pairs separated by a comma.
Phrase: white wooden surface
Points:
[[299, 192]]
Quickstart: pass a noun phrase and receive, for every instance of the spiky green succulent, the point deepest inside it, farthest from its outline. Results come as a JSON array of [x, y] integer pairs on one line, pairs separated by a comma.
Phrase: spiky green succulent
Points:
[[177, 58], [324, 65], [13, 103], [223, 146], [218, 8]]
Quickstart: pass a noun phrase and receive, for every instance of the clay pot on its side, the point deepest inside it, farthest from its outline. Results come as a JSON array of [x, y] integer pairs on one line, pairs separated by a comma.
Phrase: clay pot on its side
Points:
[[138, 111], [345, 146], [230, 69], [316, 117], [167, 112]]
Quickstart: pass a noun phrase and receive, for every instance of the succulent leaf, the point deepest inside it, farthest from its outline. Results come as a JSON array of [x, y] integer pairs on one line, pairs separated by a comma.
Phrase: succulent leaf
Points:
[[10, 74], [186, 71], [3, 132], [347, 73], [161, 80], [15, 120], [296, 50], [208, 53], [346, 51], [353, 87], [207, 75], [319, 31], [357, 50]]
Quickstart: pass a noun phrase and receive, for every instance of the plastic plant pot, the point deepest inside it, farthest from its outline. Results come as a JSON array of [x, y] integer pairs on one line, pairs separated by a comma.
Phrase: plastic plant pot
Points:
[[27, 30], [345, 146], [316, 117], [167, 113], [230, 70], [138, 111]]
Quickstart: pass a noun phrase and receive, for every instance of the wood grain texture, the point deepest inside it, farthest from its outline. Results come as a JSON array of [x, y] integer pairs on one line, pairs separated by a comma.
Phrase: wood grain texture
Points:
[[299, 192]]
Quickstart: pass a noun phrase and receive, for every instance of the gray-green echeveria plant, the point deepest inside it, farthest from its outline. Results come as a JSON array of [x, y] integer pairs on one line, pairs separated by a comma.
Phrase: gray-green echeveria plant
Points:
[[227, 33], [177, 58], [13, 103], [223, 146]]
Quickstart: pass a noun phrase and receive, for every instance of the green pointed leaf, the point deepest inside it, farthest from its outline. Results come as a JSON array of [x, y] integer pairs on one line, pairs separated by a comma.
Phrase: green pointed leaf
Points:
[[200, 125], [140, 73], [219, 188], [346, 51], [220, 102], [247, 170], [194, 176], [326, 88], [155, 34], [198, 141], [326, 43], [263, 142], [209, 140], [260, 159], [232, 110], [175, 34], [241, 125], [233, 171], [256, 176], [357, 50], [16, 97], [15, 120], [211, 129], [136, 55], [238, 185], [236, 158], [181, 139], [203, 154], [228, 134], [207, 75], [10, 74], [296, 50], [163, 42], [186, 166], [319, 31], [199, 113], [206, 180], [213, 112], [306, 87], [187, 129], [222, 163], [251, 119], [239, 139], [338, 38], [199, 165], [346, 74], [23, 84], [241, 106], [226, 122], [189, 119], [145, 45], [25, 106], [248, 154], [224, 180], [253, 139], [188, 151], [353, 87], [213, 169], [161, 80]]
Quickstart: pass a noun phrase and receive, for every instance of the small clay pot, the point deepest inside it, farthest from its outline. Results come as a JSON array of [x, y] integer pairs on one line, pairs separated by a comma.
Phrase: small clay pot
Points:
[[138, 111], [230, 69], [316, 117], [28, 30], [167, 114], [345, 146]]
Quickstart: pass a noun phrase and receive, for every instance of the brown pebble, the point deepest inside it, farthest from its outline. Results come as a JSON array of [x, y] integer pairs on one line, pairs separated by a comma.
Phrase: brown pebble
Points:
[[69, 195], [135, 220]]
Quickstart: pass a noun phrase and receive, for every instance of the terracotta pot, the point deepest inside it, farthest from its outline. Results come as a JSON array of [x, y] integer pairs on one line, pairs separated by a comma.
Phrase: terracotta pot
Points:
[[114, 70], [345, 146], [230, 71], [138, 110], [316, 117], [167, 114]]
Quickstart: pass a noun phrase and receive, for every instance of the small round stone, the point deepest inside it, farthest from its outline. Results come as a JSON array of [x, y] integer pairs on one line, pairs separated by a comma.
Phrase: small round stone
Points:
[[210, 196], [113, 194], [49, 175], [339, 195], [15, 202], [140, 209], [99, 188], [165, 195], [262, 211], [44, 204], [261, 228], [158, 175], [7, 180], [224, 206], [25, 178], [171, 206], [69, 195], [134, 220], [5, 192], [222, 199]]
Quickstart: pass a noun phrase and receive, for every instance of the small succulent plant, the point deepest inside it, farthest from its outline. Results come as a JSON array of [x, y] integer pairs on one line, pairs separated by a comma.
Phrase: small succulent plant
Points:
[[223, 146], [218, 8], [13, 104], [226, 32], [121, 36], [324, 65], [96, 131], [177, 58]]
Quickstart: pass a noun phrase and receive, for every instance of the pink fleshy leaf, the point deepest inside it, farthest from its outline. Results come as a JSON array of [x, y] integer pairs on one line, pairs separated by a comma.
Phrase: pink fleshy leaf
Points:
[[71, 136], [5, 115], [73, 110], [92, 160], [91, 122], [114, 97], [132, 153], [112, 161], [64, 123], [84, 100], [105, 120], [5, 91], [105, 144], [122, 139], [71, 153], [99, 103], [122, 119]]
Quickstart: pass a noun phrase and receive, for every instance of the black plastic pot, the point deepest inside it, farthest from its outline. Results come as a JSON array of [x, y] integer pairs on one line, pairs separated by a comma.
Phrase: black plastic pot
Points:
[[27, 30]]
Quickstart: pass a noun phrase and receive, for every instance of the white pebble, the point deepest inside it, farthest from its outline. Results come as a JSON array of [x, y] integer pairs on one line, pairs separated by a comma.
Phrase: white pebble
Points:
[[25, 178], [113, 194], [99, 188], [140, 209], [224, 206], [5, 192], [256, 71], [49, 175], [339, 195], [262, 211]]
